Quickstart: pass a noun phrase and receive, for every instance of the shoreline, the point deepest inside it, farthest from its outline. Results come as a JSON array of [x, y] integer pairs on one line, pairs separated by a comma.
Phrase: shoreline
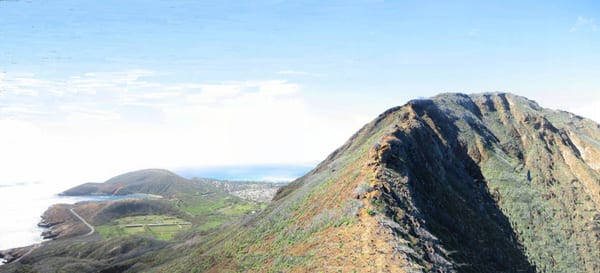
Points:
[[46, 222], [15, 254]]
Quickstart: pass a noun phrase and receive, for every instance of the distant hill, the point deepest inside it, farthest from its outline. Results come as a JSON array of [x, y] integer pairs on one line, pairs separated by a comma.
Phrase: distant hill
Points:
[[150, 181]]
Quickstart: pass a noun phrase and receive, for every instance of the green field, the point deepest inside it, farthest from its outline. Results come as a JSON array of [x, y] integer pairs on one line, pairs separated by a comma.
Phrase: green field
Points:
[[211, 212], [162, 227]]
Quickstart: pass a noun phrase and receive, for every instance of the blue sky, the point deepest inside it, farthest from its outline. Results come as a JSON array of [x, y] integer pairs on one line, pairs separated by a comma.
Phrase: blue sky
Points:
[[464, 44], [247, 82]]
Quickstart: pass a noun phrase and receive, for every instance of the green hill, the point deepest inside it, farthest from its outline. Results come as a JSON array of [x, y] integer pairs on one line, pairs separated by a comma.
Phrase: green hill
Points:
[[151, 181]]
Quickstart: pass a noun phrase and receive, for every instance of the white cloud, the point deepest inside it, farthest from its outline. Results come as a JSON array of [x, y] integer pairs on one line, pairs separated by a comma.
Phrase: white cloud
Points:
[[290, 72], [91, 126], [20, 110], [584, 23], [473, 33], [590, 109], [76, 112], [213, 93], [275, 87]]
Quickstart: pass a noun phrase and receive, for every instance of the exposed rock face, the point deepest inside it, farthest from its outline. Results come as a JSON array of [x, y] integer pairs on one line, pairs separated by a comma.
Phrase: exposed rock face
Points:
[[429, 184], [456, 183], [505, 184], [60, 223]]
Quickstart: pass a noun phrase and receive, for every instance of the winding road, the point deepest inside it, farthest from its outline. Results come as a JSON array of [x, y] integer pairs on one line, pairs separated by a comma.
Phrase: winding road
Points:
[[92, 229]]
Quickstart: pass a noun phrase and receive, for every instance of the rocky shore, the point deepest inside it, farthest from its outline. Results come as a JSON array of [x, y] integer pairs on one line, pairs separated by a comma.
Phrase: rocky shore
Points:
[[48, 233], [10, 255]]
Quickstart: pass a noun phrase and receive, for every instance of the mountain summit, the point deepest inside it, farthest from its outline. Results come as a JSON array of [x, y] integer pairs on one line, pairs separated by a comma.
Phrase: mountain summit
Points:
[[456, 183]]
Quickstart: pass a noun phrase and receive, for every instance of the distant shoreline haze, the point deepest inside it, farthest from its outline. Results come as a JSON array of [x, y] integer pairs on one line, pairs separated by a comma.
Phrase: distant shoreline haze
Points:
[[267, 173]]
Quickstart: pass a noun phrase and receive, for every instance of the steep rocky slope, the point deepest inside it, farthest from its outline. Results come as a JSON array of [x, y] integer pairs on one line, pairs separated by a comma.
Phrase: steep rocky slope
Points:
[[456, 183]]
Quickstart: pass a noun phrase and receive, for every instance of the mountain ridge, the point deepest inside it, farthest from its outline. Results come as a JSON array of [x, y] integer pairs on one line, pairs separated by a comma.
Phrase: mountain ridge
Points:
[[454, 183]]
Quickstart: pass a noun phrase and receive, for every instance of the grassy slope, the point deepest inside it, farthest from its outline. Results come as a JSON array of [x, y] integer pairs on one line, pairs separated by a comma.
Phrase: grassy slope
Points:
[[319, 208], [143, 225]]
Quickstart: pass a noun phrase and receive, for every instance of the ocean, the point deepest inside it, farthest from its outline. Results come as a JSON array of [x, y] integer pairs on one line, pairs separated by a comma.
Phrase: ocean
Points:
[[22, 205]]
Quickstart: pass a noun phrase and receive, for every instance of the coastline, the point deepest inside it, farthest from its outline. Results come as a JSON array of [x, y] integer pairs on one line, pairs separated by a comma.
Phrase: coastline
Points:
[[22, 206], [15, 254], [56, 222]]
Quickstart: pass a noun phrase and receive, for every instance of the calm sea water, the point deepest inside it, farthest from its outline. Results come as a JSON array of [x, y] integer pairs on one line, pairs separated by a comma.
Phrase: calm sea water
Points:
[[22, 204]]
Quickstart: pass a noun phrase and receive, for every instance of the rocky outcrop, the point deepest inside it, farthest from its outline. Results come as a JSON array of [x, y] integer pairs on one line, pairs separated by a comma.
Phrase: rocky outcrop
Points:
[[60, 223]]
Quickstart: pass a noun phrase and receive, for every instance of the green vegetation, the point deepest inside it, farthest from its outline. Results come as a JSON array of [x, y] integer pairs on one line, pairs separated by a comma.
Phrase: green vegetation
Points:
[[202, 205], [208, 213], [212, 212], [162, 227], [549, 208], [151, 181], [371, 211]]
